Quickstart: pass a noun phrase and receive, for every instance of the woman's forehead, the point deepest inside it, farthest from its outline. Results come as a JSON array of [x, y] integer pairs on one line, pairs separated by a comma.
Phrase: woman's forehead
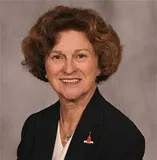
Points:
[[72, 40]]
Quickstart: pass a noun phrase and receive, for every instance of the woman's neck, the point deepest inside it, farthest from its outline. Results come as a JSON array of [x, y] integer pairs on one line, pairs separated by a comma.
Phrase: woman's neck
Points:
[[70, 115], [71, 110]]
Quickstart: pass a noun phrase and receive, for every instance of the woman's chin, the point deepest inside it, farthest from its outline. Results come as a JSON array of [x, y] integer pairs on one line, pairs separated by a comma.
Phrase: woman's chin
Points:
[[70, 96]]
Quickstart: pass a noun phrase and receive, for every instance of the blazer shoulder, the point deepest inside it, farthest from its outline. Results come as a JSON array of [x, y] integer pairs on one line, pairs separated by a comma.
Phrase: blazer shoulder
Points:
[[118, 121], [33, 128], [44, 114], [121, 131]]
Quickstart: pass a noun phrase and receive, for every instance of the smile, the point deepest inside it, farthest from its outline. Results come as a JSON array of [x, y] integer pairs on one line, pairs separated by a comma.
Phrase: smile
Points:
[[70, 80]]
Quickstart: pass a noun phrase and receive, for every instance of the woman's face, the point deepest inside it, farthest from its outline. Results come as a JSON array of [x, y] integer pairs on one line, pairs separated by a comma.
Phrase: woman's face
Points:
[[72, 66]]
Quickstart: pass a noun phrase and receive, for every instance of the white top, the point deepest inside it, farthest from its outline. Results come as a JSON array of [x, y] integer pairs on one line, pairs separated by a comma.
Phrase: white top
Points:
[[60, 151]]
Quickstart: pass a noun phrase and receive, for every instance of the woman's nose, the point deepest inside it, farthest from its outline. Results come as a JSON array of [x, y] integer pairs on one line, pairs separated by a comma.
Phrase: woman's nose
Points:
[[69, 67]]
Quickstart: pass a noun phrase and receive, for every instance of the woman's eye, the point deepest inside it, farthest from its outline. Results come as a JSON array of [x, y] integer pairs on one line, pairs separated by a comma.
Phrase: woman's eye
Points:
[[81, 56], [56, 57]]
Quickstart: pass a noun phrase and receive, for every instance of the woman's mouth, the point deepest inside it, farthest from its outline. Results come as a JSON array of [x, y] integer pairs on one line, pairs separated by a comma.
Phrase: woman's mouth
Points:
[[71, 81]]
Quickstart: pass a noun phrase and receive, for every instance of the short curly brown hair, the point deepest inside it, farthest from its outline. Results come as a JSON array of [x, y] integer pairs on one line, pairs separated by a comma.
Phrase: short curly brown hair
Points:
[[43, 36]]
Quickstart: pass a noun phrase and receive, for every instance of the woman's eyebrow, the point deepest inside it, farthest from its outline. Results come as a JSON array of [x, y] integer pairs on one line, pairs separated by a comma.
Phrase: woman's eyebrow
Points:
[[56, 51], [75, 51], [84, 49]]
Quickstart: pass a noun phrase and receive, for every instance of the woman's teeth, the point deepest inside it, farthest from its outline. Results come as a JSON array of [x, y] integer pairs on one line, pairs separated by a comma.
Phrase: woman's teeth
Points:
[[70, 80]]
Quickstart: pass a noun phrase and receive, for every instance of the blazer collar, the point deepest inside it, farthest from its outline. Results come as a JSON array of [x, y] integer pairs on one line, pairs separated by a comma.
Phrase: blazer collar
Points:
[[46, 136], [91, 121]]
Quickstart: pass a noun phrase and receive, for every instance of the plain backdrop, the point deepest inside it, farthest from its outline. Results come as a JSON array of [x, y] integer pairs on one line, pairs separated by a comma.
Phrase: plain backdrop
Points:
[[132, 89]]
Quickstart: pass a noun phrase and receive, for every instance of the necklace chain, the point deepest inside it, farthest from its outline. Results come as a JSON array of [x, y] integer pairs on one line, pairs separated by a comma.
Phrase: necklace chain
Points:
[[66, 135]]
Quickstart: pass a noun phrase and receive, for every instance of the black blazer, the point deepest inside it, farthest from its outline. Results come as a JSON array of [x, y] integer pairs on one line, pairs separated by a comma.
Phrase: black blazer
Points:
[[115, 137]]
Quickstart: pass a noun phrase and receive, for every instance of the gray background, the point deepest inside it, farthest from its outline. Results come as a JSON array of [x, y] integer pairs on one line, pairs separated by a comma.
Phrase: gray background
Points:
[[132, 89]]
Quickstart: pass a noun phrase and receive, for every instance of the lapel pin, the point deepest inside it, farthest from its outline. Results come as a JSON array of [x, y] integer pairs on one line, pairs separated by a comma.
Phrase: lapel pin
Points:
[[89, 139]]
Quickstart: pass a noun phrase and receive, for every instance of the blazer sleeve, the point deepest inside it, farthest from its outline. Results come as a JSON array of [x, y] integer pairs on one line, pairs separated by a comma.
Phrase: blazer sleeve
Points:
[[25, 148], [136, 152]]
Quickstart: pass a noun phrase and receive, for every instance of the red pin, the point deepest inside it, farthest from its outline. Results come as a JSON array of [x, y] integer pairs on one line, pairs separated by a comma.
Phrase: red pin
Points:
[[89, 139]]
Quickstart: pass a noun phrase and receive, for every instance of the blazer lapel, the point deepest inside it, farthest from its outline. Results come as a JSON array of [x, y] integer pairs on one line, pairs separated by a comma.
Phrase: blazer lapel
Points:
[[90, 123], [47, 133]]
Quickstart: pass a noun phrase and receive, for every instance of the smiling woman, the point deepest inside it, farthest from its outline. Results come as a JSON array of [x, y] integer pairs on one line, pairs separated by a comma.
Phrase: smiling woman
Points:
[[72, 69], [74, 49]]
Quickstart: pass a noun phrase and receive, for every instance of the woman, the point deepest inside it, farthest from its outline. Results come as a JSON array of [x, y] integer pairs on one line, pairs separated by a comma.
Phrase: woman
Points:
[[74, 49]]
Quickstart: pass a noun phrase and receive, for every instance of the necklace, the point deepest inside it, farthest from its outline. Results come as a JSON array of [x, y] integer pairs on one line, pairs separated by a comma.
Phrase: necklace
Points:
[[66, 135]]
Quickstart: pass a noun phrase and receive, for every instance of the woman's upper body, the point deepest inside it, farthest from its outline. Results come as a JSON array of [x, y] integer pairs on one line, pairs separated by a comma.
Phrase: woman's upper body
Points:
[[74, 50], [114, 136]]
